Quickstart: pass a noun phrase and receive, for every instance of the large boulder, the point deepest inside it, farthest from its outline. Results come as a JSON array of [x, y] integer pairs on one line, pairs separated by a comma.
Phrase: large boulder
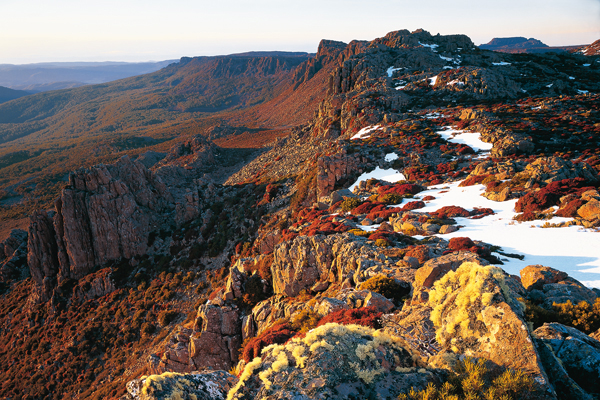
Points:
[[590, 211], [436, 268], [477, 314], [194, 386], [334, 362], [536, 276], [577, 353], [216, 338]]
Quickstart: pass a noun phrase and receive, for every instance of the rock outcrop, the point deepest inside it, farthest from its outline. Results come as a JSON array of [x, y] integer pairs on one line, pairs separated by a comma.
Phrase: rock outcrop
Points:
[[105, 213], [13, 255], [334, 362], [573, 359], [477, 314], [193, 386]]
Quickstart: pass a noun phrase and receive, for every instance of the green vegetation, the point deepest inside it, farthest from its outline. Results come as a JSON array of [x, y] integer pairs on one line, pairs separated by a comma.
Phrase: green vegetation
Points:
[[583, 315], [387, 287]]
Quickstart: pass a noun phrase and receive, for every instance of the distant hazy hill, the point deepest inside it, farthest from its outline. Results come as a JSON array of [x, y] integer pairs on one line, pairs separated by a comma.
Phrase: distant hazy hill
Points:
[[53, 76], [522, 45], [7, 94]]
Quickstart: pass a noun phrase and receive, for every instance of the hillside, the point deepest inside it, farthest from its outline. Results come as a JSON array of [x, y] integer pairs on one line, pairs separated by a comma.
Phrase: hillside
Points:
[[408, 217], [7, 94]]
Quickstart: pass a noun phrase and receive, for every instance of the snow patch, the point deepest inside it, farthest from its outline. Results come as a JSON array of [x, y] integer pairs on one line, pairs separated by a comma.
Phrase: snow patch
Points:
[[431, 46], [364, 133], [501, 63], [433, 80], [471, 139], [586, 65], [582, 91], [390, 71], [391, 157], [455, 82], [570, 249], [389, 175]]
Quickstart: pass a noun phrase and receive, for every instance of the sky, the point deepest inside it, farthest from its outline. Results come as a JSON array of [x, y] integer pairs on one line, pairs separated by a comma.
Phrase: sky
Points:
[[134, 30]]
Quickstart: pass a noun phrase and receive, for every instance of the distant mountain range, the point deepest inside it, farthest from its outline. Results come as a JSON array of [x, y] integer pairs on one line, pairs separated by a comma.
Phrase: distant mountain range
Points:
[[523, 45], [43, 77]]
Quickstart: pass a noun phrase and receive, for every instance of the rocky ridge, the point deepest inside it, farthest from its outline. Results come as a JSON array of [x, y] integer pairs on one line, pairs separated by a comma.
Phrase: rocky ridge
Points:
[[303, 288]]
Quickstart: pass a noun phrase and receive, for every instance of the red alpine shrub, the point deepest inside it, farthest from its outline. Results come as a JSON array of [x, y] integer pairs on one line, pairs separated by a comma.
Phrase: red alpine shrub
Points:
[[367, 316], [278, 334], [413, 205], [450, 212], [569, 210], [473, 180]]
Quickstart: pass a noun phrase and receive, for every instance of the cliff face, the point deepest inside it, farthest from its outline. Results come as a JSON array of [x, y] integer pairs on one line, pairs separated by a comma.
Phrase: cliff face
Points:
[[105, 213]]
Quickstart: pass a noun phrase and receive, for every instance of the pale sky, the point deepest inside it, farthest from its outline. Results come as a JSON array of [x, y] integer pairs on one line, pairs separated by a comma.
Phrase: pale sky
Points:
[[134, 30]]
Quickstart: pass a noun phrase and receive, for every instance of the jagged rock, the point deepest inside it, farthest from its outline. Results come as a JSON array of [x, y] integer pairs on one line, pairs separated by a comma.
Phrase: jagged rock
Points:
[[477, 314], [216, 338], [94, 285], [567, 290], [300, 263], [194, 386], [436, 268], [536, 276], [334, 362], [42, 254], [176, 354], [552, 169], [105, 213], [590, 211], [329, 305], [268, 311], [150, 158], [578, 353], [248, 327], [13, 255], [331, 169], [234, 288]]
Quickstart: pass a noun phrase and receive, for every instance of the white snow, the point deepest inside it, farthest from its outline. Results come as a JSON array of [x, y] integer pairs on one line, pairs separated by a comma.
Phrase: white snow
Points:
[[586, 65], [389, 175], [550, 85], [582, 91], [434, 115], [569, 249], [501, 63], [431, 46], [391, 157], [364, 132], [471, 139], [368, 228], [433, 80], [447, 58], [571, 77], [448, 67], [455, 82], [390, 70]]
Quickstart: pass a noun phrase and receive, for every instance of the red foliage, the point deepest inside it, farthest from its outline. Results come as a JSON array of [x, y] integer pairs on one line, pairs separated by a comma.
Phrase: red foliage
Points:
[[366, 316], [550, 195], [413, 205], [366, 207], [278, 334], [400, 189], [473, 180], [478, 213], [465, 243], [427, 198], [450, 212]]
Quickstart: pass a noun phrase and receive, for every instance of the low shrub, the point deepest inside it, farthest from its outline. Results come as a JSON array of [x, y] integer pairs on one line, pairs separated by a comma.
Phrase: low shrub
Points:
[[387, 287], [166, 317], [367, 316], [305, 320], [350, 203], [278, 334], [472, 379]]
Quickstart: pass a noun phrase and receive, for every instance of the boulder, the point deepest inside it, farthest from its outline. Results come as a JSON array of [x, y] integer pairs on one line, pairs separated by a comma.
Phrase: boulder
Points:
[[193, 386], [477, 314], [577, 353], [437, 267], [216, 338], [176, 354], [334, 362], [590, 211], [536, 276]]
